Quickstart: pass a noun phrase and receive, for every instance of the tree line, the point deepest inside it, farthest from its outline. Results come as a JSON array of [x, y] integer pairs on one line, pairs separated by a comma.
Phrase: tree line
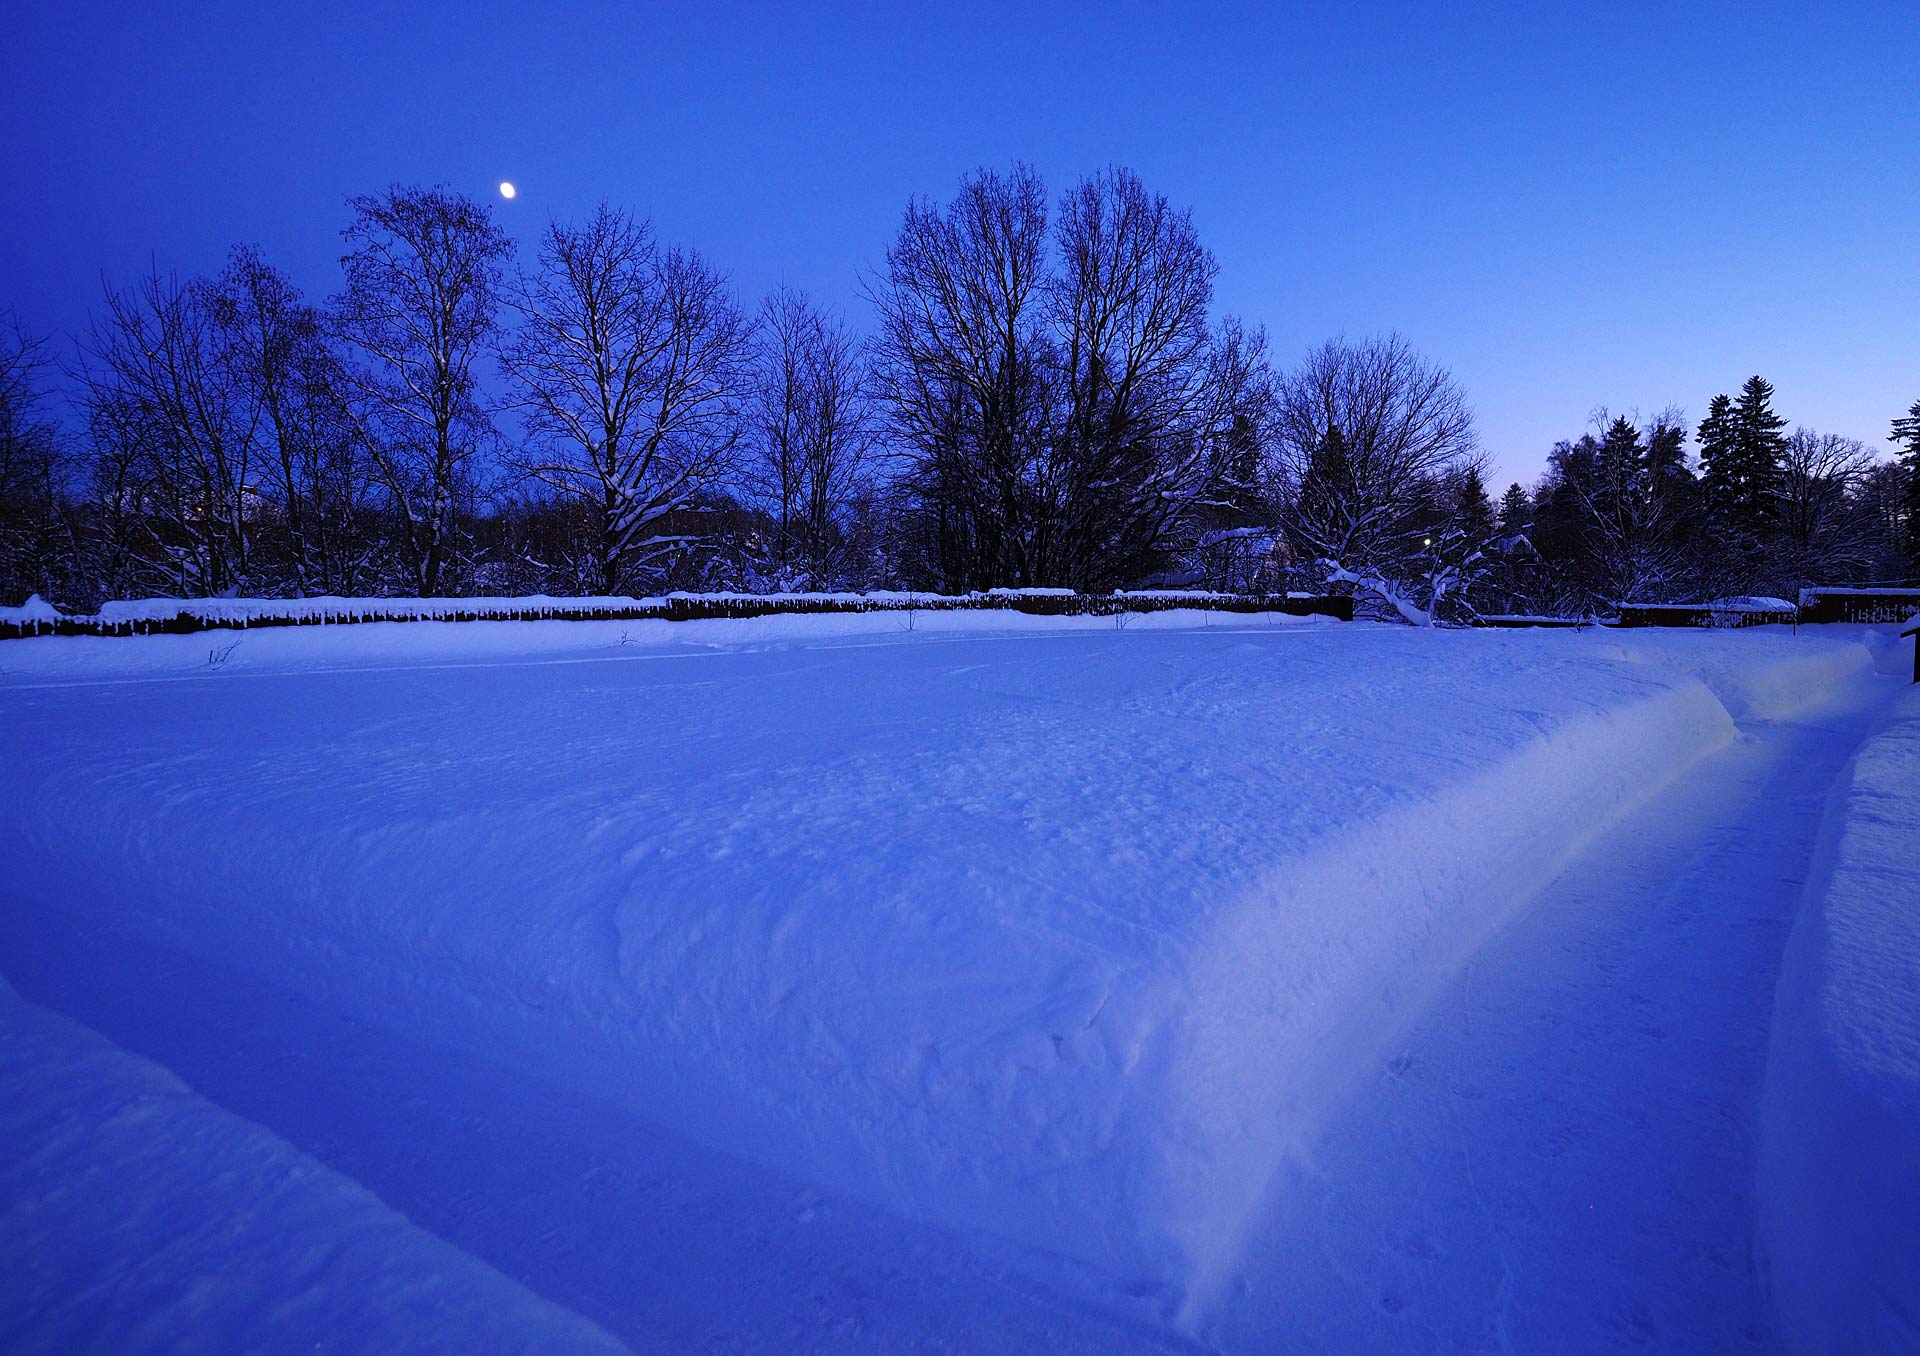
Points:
[[1623, 512], [1048, 398]]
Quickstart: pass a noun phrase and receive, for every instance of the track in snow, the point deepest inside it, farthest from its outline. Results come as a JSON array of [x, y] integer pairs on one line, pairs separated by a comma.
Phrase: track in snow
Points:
[[1560, 1158]]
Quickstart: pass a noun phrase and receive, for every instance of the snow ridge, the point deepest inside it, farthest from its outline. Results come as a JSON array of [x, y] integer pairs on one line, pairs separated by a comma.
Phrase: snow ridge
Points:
[[1308, 981]]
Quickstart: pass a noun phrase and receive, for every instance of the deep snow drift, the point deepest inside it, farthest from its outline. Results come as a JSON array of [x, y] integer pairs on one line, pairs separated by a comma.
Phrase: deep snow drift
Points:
[[1062, 932]]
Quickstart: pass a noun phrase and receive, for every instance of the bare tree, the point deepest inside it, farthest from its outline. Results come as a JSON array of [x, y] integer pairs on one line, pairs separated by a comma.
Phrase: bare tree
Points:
[[1235, 529], [423, 274], [1134, 453], [36, 539], [1061, 402], [173, 423], [631, 367], [962, 361], [1828, 530], [1367, 434], [308, 450], [813, 431]]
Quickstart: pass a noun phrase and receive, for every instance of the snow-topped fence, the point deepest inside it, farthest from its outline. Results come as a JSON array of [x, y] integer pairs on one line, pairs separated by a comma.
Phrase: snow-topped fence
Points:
[[1866, 606], [184, 616], [1871, 606], [1722, 612]]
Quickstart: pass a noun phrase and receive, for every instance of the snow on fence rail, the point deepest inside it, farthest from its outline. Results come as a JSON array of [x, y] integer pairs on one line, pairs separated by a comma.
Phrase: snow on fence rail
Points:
[[1722, 612], [178, 616], [1519, 621], [1869, 605]]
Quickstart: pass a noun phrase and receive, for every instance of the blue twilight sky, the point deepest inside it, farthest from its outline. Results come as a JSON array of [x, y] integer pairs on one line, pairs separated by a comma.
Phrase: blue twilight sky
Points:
[[1570, 206]]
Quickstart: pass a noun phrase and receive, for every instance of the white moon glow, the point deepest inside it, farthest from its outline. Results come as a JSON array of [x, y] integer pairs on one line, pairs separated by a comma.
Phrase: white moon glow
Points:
[[506, 190]]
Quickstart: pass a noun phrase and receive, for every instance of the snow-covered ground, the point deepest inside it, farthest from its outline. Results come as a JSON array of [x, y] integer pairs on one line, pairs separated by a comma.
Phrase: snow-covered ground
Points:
[[999, 983], [1840, 1142], [137, 1216]]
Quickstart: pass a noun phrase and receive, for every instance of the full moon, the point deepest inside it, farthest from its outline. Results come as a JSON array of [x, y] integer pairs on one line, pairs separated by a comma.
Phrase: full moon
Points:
[[506, 190]]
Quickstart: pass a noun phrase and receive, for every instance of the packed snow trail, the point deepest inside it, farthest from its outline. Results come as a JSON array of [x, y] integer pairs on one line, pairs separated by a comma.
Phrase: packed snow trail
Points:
[[1559, 1157]]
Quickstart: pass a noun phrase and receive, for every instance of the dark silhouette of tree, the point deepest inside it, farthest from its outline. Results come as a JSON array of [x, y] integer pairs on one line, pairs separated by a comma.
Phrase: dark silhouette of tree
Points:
[[1368, 437], [1516, 509], [813, 434], [38, 546], [632, 371], [1906, 432], [312, 476], [173, 420], [424, 269], [1068, 410]]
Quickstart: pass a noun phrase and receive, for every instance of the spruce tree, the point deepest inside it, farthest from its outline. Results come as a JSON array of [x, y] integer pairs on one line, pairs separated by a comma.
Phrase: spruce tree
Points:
[[1516, 509], [1759, 447], [1667, 455], [1620, 470], [1906, 432], [1472, 510], [1323, 514], [1718, 472]]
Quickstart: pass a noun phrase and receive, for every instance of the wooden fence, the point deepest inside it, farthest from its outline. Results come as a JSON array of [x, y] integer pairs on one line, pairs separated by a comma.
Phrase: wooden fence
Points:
[[1867, 605], [214, 615], [1704, 615]]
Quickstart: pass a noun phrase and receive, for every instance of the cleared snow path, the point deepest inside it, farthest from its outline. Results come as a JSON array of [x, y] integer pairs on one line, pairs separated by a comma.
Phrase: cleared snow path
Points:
[[1560, 1155]]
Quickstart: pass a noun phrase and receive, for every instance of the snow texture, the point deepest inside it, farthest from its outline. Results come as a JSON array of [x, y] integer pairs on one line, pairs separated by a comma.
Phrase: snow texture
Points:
[[1840, 1128], [137, 1217], [1035, 927]]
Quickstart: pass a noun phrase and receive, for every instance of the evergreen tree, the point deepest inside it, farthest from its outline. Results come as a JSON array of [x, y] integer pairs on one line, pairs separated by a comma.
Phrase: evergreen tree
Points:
[[1741, 448], [1560, 512], [1472, 509], [1759, 445], [1675, 491], [1322, 516], [1667, 468], [1620, 470], [1906, 432], [1516, 509], [1717, 462]]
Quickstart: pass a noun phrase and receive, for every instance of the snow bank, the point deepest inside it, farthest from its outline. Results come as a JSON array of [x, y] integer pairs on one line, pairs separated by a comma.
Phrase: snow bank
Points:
[[1070, 934], [1762, 675], [137, 1217], [1839, 1161], [1311, 976]]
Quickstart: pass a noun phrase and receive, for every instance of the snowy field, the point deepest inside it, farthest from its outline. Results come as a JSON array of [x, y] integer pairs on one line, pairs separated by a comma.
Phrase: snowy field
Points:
[[1000, 983]]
